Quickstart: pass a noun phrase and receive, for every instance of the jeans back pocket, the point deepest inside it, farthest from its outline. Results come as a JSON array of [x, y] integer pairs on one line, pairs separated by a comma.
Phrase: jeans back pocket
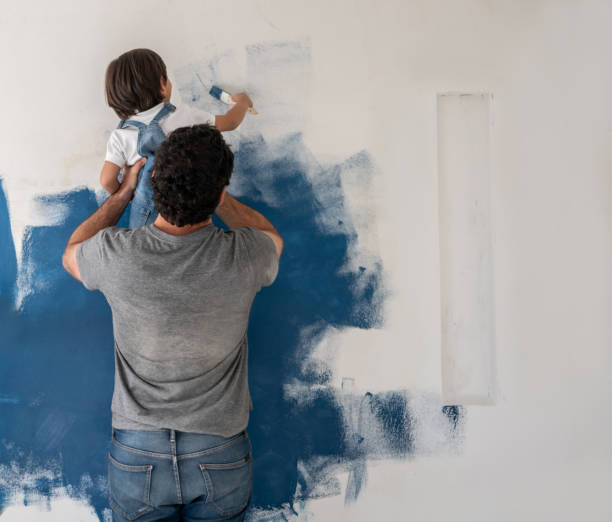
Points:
[[129, 489], [229, 485]]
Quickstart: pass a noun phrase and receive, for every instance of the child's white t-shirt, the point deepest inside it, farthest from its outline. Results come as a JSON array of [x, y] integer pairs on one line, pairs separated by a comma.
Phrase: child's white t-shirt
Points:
[[122, 147]]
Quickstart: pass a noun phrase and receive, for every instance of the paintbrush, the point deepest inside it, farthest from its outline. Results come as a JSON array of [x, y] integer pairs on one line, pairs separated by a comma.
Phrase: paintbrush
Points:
[[226, 97]]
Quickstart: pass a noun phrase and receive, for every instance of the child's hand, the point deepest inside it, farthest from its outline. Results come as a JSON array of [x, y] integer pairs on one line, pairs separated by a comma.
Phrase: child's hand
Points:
[[242, 98], [130, 177]]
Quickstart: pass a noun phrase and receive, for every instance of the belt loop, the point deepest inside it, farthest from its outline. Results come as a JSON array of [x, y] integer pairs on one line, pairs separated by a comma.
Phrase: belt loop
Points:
[[172, 436]]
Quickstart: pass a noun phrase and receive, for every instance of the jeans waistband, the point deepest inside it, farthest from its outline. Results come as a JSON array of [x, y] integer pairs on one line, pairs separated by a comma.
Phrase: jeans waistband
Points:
[[167, 443]]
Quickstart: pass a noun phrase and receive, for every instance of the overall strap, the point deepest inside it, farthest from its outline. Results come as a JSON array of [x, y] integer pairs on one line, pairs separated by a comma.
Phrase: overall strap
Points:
[[163, 112], [133, 123]]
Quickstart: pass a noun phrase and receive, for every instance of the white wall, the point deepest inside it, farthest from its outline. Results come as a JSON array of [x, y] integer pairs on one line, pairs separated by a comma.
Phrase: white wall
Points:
[[544, 452]]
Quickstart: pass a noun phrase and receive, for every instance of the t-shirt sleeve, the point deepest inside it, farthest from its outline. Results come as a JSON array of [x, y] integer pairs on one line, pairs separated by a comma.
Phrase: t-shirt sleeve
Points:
[[114, 150], [261, 254], [93, 259]]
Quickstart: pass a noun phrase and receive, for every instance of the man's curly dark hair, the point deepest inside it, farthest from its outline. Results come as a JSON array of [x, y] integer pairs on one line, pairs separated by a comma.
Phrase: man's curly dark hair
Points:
[[191, 168]]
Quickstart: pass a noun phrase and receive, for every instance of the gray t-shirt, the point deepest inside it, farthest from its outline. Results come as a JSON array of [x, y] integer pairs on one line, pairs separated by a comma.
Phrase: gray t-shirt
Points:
[[180, 308]]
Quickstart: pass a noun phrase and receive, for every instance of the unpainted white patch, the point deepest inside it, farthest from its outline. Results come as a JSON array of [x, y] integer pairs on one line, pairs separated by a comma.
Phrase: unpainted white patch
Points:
[[42, 214], [60, 507], [467, 292], [23, 501]]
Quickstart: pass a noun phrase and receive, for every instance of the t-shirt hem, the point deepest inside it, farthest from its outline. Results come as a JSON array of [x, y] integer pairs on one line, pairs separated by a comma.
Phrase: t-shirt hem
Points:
[[136, 426]]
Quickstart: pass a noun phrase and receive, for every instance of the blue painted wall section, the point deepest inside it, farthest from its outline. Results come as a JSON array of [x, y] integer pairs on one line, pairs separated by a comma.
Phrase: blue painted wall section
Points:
[[57, 360]]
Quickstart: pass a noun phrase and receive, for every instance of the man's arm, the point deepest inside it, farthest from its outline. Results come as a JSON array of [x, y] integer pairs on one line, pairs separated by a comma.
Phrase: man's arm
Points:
[[236, 215], [107, 215]]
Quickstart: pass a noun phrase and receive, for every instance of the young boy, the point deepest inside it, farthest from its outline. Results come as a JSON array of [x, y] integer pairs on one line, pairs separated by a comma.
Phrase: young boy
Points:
[[138, 90]]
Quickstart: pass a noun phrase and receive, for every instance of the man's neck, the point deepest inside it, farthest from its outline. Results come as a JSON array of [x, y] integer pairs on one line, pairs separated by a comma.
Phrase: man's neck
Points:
[[169, 228]]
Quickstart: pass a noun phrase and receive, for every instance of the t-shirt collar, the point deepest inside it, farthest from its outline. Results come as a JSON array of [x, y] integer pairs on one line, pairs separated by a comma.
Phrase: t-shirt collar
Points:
[[187, 238]]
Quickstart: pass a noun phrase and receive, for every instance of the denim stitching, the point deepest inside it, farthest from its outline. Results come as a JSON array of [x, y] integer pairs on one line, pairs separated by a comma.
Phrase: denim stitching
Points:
[[209, 485], [126, 467], [209, 451], [208, 480], [229, 465], [177, 479], [141, 452], [146, 493], [212, 451]]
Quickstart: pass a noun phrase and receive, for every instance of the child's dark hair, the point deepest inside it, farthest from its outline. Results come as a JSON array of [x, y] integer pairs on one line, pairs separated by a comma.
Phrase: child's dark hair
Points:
[[191, 168], [133, 82]]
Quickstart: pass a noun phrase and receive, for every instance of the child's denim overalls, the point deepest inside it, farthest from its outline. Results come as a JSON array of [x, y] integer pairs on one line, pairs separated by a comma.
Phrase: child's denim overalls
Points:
[[149, 138]]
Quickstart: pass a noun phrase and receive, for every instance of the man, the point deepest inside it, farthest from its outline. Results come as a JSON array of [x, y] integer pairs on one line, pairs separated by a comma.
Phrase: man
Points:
[[180, 291]]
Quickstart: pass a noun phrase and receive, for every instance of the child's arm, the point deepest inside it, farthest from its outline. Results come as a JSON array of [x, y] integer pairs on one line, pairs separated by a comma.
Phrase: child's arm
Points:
[[109, 177], [232, 118]]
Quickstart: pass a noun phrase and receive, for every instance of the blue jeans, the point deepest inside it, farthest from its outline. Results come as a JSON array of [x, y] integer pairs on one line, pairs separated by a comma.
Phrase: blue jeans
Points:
[[178, 476]]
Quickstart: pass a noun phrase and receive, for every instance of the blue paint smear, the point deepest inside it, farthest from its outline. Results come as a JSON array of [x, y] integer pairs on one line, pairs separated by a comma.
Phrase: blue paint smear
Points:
[[454, 413], [391, 412], [57, 350]]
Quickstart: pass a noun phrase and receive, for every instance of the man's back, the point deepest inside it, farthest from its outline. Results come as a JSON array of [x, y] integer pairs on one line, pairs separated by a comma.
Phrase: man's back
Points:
[[180, 291], [180, 308]]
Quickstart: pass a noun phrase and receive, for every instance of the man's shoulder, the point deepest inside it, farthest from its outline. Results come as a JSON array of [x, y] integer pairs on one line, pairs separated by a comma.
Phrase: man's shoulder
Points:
[[118, 235], [252, 234], [108, 235], [261, 253], [114, 243]]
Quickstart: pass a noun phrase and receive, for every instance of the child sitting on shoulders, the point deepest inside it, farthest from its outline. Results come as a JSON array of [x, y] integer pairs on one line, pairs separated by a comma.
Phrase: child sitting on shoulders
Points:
[[138, 90]]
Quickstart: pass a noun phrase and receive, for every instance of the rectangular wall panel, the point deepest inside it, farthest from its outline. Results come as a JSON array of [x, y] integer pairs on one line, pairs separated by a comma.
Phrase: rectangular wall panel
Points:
[[466, 260]]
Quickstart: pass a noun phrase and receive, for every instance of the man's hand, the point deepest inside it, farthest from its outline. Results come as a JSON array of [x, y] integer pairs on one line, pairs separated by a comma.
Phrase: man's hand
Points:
[[236, 215], [130, 178]]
